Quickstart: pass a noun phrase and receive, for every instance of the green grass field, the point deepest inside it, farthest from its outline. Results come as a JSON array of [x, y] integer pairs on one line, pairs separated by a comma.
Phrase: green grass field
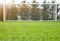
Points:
[[29, 31]]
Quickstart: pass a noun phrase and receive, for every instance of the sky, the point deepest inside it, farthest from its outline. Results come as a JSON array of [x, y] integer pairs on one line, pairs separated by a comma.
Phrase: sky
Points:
[[19, 1]]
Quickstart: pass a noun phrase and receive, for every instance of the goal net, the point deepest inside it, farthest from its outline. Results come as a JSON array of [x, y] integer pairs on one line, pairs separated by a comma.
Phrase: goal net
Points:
[[30, 11]]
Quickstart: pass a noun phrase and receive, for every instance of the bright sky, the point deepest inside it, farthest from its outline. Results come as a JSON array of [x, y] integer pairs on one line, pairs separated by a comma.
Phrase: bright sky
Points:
[[19, 1]]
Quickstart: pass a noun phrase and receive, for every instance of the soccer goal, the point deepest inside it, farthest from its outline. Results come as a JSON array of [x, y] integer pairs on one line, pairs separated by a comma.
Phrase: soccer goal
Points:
[[30, 11]]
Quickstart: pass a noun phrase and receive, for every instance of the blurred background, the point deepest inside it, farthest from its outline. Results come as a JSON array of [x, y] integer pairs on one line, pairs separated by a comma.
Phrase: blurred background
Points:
[[29, 10]]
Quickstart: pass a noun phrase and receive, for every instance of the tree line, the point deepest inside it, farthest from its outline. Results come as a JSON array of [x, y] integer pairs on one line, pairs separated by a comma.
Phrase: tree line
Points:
[[26, 12]]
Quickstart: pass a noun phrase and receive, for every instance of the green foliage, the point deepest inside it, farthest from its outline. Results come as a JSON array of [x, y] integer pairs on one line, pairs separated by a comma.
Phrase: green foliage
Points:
[[1, 12]]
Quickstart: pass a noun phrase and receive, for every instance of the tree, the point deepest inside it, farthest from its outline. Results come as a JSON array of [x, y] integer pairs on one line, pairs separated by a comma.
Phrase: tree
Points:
[[11, 12], [24, 11], [35, 12], [53, 9], [44, 14]]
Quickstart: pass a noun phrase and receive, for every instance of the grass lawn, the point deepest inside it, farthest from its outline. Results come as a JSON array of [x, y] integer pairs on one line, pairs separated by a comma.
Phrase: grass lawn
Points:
[[29, 31]]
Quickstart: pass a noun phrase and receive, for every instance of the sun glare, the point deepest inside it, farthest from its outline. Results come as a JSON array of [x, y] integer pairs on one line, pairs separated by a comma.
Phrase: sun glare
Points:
[[1, 1], [19, 1], [8, 1]]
